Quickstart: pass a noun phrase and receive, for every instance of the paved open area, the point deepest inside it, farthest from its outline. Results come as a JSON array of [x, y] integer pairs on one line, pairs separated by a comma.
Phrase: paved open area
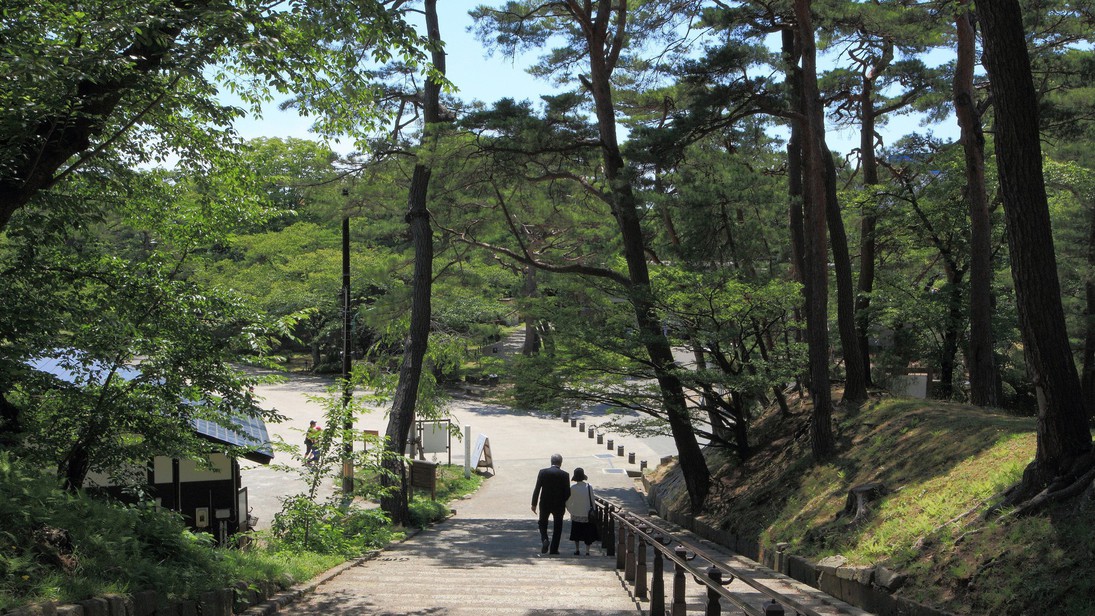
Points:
[[520, 441], [486, 559]]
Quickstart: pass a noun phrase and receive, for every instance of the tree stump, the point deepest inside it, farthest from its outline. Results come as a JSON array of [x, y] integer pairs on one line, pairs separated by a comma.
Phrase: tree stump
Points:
[[55, 548], [859, 499]]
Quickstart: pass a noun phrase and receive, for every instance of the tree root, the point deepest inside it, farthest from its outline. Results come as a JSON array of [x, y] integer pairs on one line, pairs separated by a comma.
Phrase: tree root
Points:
[[1080, 479], [1051, 495]]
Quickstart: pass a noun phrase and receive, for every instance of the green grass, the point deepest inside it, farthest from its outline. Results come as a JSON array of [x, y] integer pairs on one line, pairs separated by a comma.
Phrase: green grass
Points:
[[451, 485], [943, 464]]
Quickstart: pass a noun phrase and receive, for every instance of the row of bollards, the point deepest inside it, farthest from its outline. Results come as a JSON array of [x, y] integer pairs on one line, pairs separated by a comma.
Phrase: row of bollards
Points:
[[591, 432]]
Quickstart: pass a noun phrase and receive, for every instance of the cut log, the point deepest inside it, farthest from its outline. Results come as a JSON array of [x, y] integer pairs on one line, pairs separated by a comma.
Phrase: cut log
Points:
[[859, 499]]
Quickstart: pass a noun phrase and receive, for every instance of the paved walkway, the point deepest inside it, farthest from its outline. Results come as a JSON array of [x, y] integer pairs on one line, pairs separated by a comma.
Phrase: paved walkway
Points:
[[485, 559]]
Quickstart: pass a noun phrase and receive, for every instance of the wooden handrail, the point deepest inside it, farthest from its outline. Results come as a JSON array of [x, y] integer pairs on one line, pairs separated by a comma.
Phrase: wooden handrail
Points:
[[676, 550]]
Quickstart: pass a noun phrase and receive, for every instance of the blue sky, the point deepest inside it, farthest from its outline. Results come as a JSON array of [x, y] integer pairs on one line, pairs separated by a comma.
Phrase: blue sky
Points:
[[477, 77], [489, 79]]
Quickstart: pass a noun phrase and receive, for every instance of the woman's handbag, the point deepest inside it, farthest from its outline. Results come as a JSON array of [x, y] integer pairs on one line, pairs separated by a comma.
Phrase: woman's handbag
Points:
[[594, 515]]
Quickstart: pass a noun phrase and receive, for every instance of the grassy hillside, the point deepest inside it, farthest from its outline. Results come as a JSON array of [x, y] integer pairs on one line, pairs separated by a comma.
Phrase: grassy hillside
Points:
[[940, 464]]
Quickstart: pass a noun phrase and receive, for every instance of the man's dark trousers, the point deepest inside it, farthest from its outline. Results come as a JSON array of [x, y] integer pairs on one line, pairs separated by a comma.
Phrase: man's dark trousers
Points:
[[556, 528], [551, 494]]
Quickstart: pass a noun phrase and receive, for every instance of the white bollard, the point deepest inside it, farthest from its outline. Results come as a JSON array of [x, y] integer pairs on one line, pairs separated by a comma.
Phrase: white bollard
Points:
[[467, 452]]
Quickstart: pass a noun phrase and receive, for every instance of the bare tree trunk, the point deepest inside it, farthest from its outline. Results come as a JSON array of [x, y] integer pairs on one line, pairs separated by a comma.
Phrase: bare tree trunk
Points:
[[855, 385], [418, 218], [625, 208], [816, 254], [869, 222], [1064, 439], [985, 386], [1087, 381]]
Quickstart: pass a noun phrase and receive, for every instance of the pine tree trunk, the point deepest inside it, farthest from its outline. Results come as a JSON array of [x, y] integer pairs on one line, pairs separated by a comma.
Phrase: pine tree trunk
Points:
[[418, 219], [625, 208], [855, 384], [1064, 439], [531, 345], [985, 386], [816, 276], [952, 331], [867, 226]]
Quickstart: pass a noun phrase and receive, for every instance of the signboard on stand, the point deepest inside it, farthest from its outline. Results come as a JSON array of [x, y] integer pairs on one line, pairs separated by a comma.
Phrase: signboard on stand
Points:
[[481, 454]]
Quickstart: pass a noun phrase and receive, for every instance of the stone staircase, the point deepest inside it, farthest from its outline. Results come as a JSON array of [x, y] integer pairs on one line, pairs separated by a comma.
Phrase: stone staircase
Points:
[[475, 566]]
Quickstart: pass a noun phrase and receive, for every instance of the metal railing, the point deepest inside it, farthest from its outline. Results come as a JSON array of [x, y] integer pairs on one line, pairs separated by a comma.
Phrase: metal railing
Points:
[[628, 537]]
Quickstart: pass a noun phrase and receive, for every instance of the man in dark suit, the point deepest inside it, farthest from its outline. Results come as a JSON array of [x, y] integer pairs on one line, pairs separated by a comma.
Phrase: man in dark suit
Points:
[[551, 493]]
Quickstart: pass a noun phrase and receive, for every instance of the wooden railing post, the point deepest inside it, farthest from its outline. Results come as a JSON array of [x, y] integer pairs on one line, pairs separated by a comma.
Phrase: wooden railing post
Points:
[[640, 567], [657, 585], [621, 544], [629, 562], [713, 608], [609, 523], [679, 606]]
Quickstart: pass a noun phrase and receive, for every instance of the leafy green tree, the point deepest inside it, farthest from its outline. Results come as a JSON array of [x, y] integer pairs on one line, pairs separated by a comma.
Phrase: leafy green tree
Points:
[[880, 77], [137, 81], [595, 37], [142, 351]]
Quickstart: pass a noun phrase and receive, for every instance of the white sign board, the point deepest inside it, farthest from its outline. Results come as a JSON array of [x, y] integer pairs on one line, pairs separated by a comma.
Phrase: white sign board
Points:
[[481, 453], [435, 437]]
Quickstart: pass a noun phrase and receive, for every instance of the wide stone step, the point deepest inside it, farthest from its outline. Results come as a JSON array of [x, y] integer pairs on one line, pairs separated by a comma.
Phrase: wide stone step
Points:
[[475, 566]]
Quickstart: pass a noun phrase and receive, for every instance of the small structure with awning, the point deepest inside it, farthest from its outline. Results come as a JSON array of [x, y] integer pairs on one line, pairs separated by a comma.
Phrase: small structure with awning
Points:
[[209, 494]]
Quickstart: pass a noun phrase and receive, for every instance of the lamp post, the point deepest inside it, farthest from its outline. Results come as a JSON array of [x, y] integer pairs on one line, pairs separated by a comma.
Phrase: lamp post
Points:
[[347, 388]]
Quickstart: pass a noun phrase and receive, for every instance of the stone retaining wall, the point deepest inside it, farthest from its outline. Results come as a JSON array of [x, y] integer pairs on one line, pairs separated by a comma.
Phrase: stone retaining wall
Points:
[[868, 588], [251, 600], [259, 599]]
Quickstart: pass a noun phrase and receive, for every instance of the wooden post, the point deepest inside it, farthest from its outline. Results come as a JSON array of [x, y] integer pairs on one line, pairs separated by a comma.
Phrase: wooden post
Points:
[[679, 606], [629, 563], [621, 545], [608, 541], [712, 608], [640, 569], [657, 585]]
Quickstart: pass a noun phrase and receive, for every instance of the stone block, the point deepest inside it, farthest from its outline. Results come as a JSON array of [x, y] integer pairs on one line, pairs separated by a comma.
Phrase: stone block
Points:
[[119, 605], [95, 607], [889, 579], [36, 609], [853, 592], [859, 574], [216, 603], [828, 582], [748, 548], [830, 564], [70, 609], [803, 570], [145, 603], [182, 608]]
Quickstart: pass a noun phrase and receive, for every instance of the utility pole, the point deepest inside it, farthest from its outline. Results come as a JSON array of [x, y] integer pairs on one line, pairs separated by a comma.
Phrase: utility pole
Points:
[[347, 388]]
